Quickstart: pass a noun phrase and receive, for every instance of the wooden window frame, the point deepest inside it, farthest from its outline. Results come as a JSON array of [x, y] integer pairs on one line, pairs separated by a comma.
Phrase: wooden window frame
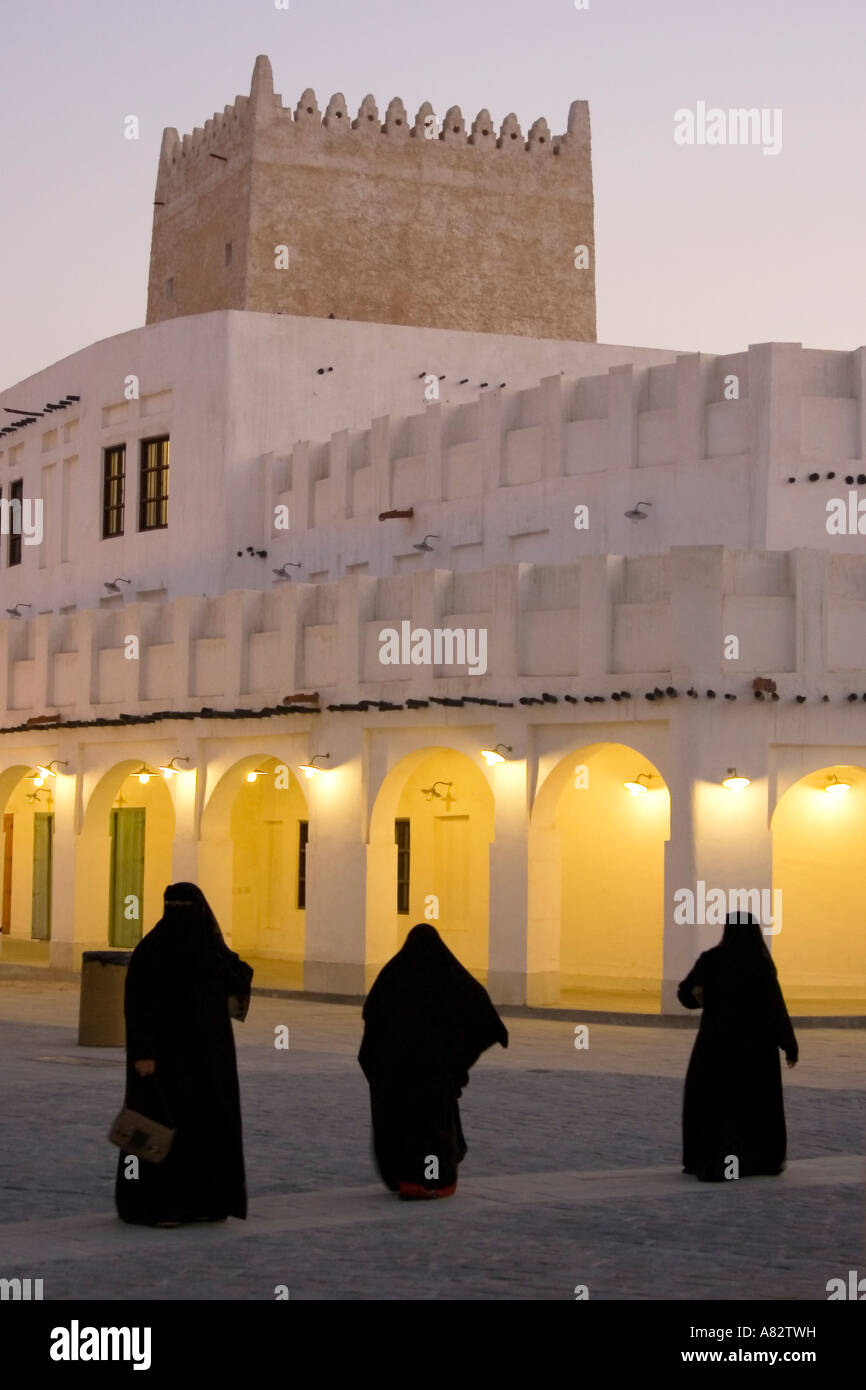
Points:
[[159, 501], [111, 508]]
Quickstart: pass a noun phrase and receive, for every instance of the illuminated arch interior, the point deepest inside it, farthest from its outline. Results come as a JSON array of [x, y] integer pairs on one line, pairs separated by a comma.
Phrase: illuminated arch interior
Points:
[[250, 842], [17, 871], [597, 857], [819, 863], [450, 835], [119, 788]]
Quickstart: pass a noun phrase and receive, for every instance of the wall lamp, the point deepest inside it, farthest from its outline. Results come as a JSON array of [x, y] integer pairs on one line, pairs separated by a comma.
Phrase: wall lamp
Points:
[[44, 770], [169, 769], [16, 611], [254, 776], [309, 769], [430, 792], [635, 514], [112, 584], [290, 564], [492, 756], [836, 788], [734, 783], [637, 788], [144, 774]]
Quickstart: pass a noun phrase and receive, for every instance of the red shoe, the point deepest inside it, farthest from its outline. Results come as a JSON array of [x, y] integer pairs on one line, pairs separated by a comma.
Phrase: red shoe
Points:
[[414, 1192]]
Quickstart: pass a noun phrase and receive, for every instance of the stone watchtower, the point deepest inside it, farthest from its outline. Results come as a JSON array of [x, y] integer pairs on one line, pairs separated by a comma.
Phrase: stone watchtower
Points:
[[405, 222]]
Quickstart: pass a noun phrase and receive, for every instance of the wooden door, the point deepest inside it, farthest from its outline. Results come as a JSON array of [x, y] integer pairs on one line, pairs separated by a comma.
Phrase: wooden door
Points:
[[6, 911], [43, 845], [126, 886]]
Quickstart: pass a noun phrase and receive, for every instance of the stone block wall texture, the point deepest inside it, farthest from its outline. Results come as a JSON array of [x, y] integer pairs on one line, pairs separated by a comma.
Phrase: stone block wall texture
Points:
[[471, 229]]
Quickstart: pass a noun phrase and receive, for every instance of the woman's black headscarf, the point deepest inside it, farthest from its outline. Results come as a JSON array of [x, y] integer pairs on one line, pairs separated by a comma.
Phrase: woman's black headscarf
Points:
[[426, 1010], [426, 1022], [187, 911], [743, 933]]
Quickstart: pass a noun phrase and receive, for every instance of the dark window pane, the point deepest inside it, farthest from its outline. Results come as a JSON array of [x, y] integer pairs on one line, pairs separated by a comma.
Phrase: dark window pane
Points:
[[113, 491], [303, 837], [401, 836], [153, 487], [16, 494]]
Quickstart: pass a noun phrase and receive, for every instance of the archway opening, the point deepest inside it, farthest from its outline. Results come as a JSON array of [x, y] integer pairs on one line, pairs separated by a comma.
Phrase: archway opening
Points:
[[597, 857], [255, 831], [26, 864], [820, 868], [429, 857], [124, 855]]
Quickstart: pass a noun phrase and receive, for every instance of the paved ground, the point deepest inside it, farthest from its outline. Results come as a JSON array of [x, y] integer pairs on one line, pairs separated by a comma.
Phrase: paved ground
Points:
[[572, 1175]]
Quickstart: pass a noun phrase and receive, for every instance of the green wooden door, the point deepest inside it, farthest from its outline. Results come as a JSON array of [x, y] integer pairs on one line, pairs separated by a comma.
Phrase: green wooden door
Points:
[[43, 843], [126, 887]]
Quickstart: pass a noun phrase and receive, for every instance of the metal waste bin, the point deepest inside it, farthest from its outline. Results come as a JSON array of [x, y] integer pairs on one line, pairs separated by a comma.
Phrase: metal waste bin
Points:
[[100, 1013]]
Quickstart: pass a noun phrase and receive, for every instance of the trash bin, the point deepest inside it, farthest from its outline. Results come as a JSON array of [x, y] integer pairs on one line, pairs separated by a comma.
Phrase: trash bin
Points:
[[100, 1013]]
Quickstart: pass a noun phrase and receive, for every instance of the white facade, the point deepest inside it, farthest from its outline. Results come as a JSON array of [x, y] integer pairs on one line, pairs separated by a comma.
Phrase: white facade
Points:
[[576, 607]]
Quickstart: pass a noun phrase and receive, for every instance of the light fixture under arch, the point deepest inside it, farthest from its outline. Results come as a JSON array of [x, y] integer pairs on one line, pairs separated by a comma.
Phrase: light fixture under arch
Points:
[[637, 788], [836, 788], [309, 769], [734, 783], [492, 756]]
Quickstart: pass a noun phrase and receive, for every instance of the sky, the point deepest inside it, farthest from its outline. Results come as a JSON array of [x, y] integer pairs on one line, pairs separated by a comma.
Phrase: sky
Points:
[[704, 247]]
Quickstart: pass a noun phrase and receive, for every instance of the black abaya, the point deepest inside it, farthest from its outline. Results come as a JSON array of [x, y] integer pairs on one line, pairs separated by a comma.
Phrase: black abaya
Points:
[[733, 1105], [427, 1021], [177, 1014]]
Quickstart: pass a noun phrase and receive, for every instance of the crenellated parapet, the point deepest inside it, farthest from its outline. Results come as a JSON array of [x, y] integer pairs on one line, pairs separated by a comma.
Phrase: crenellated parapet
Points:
[[227, 131]]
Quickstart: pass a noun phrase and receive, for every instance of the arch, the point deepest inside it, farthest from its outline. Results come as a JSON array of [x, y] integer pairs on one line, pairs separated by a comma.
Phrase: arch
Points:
[[106, 856], [449, 861], [596, 882], [11, 778], [250, 855], [820, 870], [24, 874]]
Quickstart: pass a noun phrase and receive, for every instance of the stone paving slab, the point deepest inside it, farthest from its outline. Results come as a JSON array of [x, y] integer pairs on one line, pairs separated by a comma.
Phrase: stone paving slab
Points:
[[26, 1243], [572, 1174]]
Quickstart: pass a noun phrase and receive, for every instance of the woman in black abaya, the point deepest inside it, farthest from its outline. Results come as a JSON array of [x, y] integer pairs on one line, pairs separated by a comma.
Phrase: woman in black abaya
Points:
[[733, 1106], [181, 1068], [427, 1021]]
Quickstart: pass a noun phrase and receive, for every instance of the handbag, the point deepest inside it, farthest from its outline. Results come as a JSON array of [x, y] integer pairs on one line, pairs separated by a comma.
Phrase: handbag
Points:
[[140, 1135]]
